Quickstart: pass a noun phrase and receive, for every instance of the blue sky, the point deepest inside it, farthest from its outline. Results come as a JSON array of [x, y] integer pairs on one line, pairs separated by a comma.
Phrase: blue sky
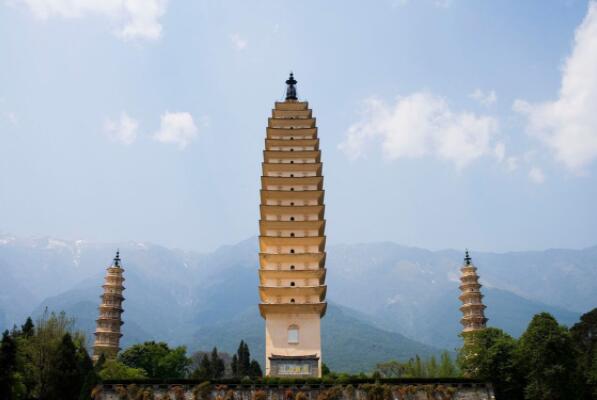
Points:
[[443, 124]]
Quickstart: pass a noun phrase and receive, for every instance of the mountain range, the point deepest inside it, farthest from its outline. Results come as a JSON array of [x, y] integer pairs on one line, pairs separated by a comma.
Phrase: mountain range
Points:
[[386, 301]]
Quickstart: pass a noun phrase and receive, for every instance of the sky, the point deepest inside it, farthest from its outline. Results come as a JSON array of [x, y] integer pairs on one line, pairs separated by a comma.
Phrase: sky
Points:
[[443, 123]]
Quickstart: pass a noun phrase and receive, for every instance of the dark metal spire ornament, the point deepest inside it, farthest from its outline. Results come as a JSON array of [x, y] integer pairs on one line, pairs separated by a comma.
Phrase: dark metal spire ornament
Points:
[[117, 258], [291, 90], [467, 257]]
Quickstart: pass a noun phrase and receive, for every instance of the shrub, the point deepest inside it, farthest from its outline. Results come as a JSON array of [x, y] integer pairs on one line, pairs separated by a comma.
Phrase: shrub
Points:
[[147, 394], [377, 391], [259, 395], [202, 391], [96, 392], [178, 391], [301, 396], [121, 392], [349, 392], [333, 393]]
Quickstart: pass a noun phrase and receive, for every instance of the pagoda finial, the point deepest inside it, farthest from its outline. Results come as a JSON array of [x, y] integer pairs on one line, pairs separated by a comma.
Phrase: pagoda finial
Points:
[[117, 258], [467, 258], [291, 90]]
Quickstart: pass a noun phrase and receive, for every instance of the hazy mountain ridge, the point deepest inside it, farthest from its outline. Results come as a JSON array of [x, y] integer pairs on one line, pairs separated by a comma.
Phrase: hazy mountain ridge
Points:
[[410, 290], [189, 298]]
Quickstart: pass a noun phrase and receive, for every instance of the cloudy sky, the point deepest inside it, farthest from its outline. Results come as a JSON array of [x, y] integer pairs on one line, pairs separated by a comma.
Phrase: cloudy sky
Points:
[[443, 124]]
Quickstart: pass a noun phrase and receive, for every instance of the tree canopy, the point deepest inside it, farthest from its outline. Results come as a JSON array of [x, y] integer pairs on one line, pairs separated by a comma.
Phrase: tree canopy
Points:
[[157, 360]]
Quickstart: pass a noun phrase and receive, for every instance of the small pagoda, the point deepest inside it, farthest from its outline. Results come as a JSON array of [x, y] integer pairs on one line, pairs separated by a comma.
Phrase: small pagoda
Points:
[[107, 332], [292, 241], [473, 309]]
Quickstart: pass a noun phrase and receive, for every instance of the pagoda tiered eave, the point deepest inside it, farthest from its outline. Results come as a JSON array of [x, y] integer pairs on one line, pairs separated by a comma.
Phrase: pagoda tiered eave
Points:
[[318, 225], [293, 309], [291, 105], [273, 168], [281, 195], [278, 210], [298, 242], [292, 181], [295, 123], [319, 274], [281, 156], [269, 258], [268, 292], [294, 114], [294, 133], [275, 144]]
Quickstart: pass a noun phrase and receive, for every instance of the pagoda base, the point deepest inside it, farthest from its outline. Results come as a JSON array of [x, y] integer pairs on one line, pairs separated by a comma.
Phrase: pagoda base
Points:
[[293, 343], [294, 366]]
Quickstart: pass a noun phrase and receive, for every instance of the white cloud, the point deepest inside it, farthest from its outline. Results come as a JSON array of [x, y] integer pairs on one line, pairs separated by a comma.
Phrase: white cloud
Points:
[[418, 125], [238, 41], [500, 151], [511, 164], [139, 18], [536, 175], [177, 128], [568, 125], [436, 3], [442, 3], [123, 130], [12, 117], [485, 99]]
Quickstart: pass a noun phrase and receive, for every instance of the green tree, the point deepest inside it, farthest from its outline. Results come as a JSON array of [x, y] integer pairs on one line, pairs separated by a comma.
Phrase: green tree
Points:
[[42, 347], [431, 368], [64, 378], [244, 359], [584, 340], [204, 371], [234, 365], [490, 356], [390, 369], [418, 370], [546, 358], [217, 365], [157, 359], [255, 369], [8, 364], [113, 369], [89, 377], [447, 368], [28, 329]]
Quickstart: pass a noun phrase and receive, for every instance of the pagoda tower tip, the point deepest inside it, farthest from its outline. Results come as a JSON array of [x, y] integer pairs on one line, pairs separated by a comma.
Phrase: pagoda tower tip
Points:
[[117, 258], [291, 89]]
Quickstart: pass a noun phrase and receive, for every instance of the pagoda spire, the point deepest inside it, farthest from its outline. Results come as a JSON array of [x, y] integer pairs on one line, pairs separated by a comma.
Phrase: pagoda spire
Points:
[[473, 309], [109, 322], [117, 259], [291, 89]]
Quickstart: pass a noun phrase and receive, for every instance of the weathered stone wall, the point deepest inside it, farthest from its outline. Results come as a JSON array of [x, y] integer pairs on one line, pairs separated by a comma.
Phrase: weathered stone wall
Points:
[[367, 391]]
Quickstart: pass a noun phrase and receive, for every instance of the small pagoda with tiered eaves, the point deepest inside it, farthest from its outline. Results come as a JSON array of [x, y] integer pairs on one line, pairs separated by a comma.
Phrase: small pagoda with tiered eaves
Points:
[[292, 240], [473, 309], [107, 332]]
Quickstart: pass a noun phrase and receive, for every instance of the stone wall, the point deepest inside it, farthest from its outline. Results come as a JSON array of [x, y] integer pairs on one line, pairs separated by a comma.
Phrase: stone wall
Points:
[[430, 390]]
